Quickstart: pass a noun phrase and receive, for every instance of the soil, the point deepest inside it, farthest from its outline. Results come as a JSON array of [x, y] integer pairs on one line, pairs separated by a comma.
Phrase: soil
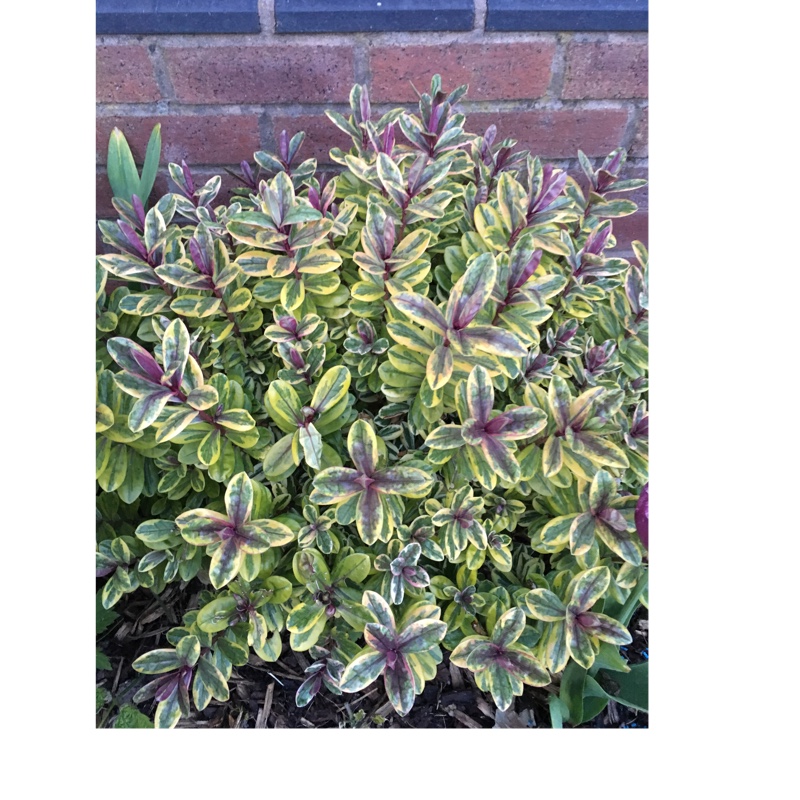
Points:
[[262, 695]]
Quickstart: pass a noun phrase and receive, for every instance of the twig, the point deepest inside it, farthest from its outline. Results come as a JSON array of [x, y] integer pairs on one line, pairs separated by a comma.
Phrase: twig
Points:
[[381, 711], [116, 678], [263, 714], [484, 708], [456, 678], [461, 717]]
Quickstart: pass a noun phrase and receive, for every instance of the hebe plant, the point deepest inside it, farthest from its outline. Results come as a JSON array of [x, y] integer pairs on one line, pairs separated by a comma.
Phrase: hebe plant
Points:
[[404, 405]]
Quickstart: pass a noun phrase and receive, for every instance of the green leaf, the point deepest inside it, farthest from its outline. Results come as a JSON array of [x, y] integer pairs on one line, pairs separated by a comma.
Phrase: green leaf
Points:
[[362, 670], [440, 366], [630, 689], [239, 499], [421, 310], [354, 567], [589, 587], [236, 419], [122, 173], [203, 397], [509, 627], [225, 563], [157, 661], [213, 679], [558, 710], [581, 534], [552, 458], [209, 449], [150, 166], [545, 605], [175, 350], [216, 615], [421, 635], [311, 442], [571, 693], [130, 717], [331, 389], [379, 608], [399, 684], [176, 422]]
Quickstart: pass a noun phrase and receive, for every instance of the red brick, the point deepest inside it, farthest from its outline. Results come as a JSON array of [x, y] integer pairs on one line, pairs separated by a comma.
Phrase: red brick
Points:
[[103, 195], [276, 74], [125, 75], [321, 135], [519, 71], [557, 134], [214, 139], [629, 229], [605, 70], [641, 136]]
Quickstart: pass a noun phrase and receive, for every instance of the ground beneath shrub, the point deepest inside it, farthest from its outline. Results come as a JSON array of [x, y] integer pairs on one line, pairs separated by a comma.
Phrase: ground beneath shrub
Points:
[[262, 695]]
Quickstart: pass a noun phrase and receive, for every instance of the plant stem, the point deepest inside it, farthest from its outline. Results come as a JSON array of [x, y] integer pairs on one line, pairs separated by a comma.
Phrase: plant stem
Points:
[[632, 601]]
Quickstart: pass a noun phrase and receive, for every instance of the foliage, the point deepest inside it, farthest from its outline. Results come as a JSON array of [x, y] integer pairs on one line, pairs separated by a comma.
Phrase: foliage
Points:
[[128, 185], [378, 416]]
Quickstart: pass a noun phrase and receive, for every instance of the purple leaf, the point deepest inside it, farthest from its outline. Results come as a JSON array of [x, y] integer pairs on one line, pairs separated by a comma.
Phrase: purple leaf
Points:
[[135, 359], [199, 257], [133, 239], [523, 267], [642, 515], [421, 310], [139, 209]]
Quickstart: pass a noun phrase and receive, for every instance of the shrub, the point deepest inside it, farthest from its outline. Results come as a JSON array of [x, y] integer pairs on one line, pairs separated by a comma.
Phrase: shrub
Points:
[[405, 404]]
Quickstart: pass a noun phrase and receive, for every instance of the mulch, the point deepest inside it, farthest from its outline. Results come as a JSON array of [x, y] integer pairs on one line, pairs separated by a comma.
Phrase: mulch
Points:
[[262, 695]]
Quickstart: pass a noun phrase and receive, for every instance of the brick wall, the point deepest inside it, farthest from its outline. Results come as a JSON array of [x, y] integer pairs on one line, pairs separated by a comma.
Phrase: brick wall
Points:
[[221, 97]]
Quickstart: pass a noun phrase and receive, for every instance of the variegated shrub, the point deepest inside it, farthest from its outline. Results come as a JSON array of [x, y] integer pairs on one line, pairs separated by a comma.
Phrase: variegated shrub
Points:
[[378, 416]]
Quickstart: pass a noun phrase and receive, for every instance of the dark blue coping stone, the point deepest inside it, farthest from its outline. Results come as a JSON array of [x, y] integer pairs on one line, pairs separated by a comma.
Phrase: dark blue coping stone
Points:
[[346, 16], [566, 15], [352, 16], [177, 16]]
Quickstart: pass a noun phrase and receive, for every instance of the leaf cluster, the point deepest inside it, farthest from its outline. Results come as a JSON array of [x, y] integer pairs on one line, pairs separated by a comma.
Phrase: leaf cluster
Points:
[[377, 416]]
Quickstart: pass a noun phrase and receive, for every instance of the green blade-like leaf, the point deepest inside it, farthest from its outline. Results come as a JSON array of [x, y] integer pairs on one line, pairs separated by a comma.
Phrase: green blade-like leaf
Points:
[[150, 167], [122, 173]]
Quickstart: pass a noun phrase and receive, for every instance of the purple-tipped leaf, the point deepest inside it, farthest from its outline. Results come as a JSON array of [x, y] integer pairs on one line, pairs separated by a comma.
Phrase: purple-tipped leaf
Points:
[[363, 446], [135, 359], [421, 310]]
